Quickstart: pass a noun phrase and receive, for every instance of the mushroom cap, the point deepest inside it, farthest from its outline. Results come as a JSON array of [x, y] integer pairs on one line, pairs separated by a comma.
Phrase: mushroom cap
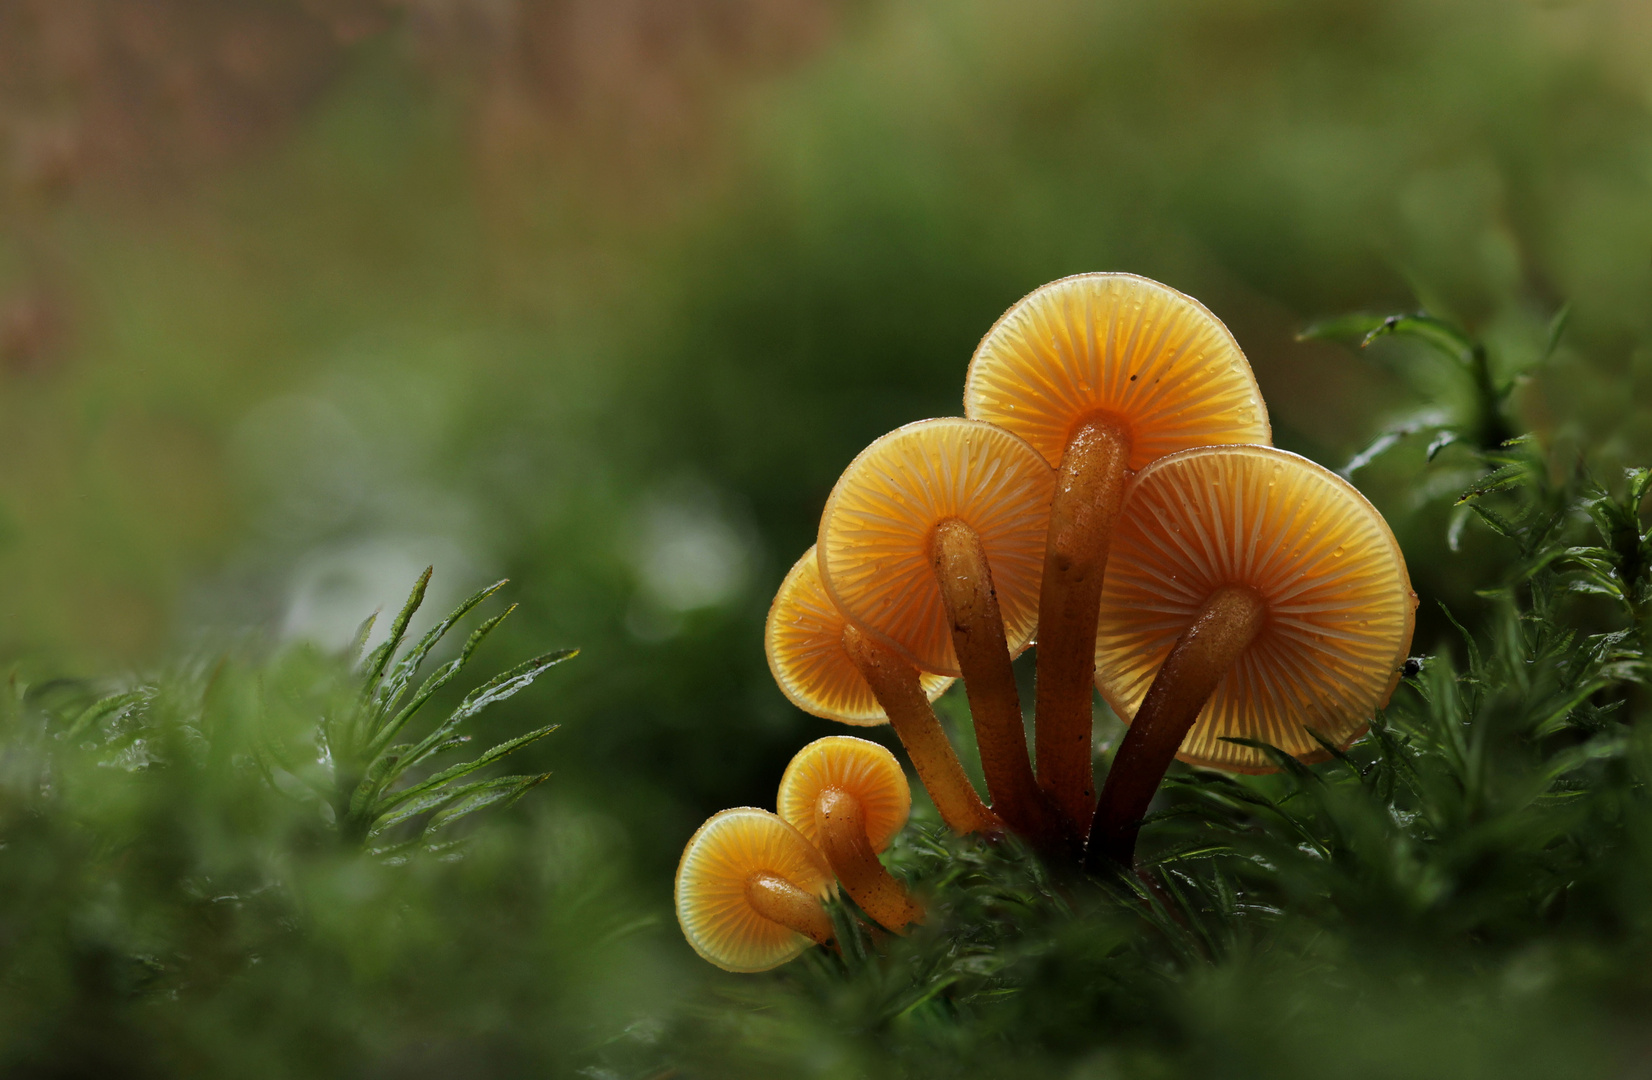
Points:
[[804, 642], [1154, 361], [1340, 609], [875, 532], [711, 888], [860, 768]]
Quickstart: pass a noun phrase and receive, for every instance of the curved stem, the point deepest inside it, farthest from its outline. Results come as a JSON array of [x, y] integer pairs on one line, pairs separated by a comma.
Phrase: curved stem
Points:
[[965, 580], [894, 683], [841, 825], [1229, 621], [1089, 490], [778, 900]]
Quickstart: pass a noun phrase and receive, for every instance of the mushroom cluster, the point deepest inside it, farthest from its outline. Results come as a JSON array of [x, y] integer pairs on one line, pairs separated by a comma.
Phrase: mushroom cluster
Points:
[[1111, 493]]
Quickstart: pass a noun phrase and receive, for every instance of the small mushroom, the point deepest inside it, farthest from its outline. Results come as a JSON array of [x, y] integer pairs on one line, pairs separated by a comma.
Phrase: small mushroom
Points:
[[1251, 594], [828, 667], [1101, 373], [850, 797], [749, 889], [932, 543]]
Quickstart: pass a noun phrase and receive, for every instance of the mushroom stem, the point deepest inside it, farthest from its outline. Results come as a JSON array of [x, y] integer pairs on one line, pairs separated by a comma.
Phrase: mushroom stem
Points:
[[778, 900], [1228, 622], [1088, 492], [965, 580], [841, 825], [894, 683]]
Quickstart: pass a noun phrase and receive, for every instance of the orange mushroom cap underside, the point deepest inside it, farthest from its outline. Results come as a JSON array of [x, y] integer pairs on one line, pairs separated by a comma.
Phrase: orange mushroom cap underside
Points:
[[1155, 362], [712, 908], [875, 533], [1340, 610], [863, 769], [804, 642]]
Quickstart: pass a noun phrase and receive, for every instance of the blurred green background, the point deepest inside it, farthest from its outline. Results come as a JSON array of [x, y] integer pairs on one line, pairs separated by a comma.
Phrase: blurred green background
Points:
[[297, 298]]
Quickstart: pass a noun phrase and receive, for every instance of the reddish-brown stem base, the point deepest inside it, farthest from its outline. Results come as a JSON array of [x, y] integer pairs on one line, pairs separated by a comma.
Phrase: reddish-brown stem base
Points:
[[965, 581], [778, 900], [894, 683], [840, 823], [1228, 622], [1089, 490]]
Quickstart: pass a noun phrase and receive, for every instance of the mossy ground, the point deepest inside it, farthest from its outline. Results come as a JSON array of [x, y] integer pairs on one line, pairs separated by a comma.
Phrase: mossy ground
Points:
[[222, 857]]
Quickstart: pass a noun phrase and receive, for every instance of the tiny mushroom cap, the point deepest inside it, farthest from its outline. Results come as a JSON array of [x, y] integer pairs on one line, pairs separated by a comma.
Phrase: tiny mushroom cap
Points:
[[712, 906], [1338, 605], [863, 769], [804, 642], [1147, 358], [875, 534]]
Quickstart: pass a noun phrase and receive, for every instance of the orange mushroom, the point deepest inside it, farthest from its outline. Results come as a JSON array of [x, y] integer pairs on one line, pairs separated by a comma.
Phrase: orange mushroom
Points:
[[749, 891], [1251, 594], [932, 543], [1102, 373], [850, 798], [828, 667]]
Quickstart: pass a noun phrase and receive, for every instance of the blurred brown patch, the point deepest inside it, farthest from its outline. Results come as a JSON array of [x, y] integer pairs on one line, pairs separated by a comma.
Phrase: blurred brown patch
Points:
[[32, 332], [582, 111], [620, 71], [154, 89]]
